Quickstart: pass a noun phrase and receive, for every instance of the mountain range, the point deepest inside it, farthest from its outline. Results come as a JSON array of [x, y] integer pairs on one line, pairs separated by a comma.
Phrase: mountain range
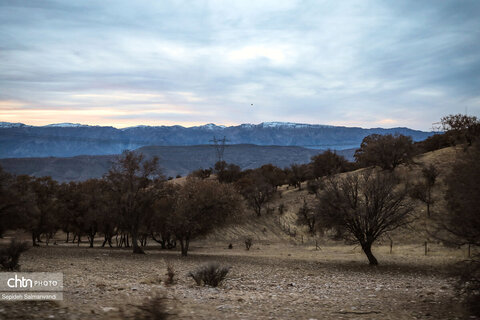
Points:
[[18, 140], [173, 160]]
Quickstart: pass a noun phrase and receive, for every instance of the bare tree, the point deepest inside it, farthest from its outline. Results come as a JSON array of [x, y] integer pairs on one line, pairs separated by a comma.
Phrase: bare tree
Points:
[[256, 190], [362, 207], [130, 180], [423, 190], [306, 215], [201, 206], [465, 128], [163, 209], [41, 217]]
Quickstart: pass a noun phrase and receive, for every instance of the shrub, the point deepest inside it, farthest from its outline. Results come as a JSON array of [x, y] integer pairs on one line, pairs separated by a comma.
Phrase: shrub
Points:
[[10, 255], [248, 243], [201, 173], [210, 274], [170, 275], [313, 186], [153, 310], [281, 209]]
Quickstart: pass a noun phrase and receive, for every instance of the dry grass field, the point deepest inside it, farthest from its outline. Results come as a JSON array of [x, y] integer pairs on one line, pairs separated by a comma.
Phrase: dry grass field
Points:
[[271, 281]]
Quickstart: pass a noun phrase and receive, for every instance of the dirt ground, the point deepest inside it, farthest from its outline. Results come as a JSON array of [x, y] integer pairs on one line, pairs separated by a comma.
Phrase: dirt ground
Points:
[[271, 281]]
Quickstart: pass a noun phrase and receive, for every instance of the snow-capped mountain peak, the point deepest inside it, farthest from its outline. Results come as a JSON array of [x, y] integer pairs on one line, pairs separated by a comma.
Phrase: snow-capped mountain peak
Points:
[[277, 124], [210, 126], [12, 125], [66, 125]]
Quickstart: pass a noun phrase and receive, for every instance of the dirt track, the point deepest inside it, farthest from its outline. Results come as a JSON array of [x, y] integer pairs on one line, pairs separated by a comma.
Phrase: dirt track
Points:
[[275, 281]]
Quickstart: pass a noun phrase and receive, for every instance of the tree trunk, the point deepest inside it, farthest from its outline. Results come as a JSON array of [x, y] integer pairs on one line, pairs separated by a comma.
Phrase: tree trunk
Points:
[[34, 237], [367, 249], [68, 235], [184, 246], [91, 238], [136, 247]]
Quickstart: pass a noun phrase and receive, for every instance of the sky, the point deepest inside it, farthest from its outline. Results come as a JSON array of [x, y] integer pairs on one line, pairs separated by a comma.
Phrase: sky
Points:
[[352, 63]]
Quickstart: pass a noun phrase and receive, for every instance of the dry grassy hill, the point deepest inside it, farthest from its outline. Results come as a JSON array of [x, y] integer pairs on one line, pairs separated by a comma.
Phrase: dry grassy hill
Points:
[[273, 226]]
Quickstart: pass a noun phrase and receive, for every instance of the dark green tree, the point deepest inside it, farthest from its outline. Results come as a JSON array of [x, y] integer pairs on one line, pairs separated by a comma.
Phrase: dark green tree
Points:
[[328, 163], [386, 151]]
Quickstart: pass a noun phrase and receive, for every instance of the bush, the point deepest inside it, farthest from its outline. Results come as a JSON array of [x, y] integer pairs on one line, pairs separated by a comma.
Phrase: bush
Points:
[[201, 173], [281, 209], [313, 186], [211, 274], [170, 275], [248, 243], [153, 310], [10, 255]]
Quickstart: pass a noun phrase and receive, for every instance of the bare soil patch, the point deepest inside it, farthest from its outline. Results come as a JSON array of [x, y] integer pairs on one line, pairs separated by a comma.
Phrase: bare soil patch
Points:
[[271, 281]]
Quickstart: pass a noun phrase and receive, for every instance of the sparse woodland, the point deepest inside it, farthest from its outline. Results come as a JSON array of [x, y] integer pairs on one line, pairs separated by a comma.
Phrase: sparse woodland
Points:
[[359, 203]]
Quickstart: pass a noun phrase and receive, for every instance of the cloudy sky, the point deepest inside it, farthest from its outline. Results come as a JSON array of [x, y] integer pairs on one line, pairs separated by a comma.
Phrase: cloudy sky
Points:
[[353, 63]]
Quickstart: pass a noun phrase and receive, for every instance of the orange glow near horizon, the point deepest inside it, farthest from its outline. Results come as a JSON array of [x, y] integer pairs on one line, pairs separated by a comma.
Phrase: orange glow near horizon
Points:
[[116, 109], [94, 116]]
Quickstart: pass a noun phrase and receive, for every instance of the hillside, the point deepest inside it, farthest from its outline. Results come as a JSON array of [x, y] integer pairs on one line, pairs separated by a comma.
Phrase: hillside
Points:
[[174, 160], [68, 140], [274, 227]]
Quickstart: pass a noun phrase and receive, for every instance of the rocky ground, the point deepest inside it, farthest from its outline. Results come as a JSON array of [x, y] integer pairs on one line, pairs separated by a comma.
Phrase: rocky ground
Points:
[[271, 281]]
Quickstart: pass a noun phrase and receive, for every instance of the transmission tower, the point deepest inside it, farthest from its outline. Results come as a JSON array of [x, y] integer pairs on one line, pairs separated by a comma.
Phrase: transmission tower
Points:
[[219, 145]]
